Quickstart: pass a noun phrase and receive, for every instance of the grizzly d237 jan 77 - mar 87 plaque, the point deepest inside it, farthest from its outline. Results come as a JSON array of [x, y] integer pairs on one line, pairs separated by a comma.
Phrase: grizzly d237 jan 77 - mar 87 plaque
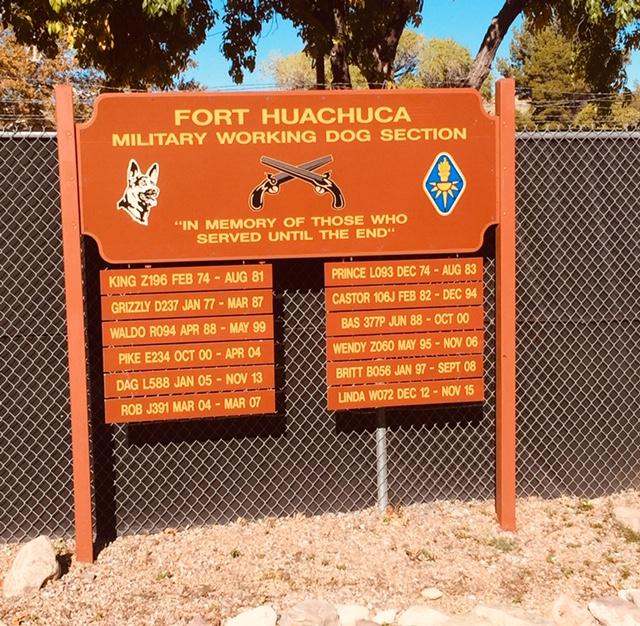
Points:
[[189, 198]]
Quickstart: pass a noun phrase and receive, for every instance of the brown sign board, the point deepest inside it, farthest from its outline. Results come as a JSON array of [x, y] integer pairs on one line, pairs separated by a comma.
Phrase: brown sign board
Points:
[[405, 320], [365, 366], [190, 406], [405, 345], [402, 272], [218, 353], [189, 304], [185, 329], [399, 370], [159, 346], [133, 384], [201, 176], [201, 278], [402, 296], [405, 394]]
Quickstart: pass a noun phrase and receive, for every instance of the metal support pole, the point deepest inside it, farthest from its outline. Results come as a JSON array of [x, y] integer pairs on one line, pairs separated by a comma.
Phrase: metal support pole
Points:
[[381, 459]]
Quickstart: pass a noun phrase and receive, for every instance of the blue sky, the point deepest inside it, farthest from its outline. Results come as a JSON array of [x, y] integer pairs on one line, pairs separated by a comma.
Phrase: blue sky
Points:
[[464, 20]]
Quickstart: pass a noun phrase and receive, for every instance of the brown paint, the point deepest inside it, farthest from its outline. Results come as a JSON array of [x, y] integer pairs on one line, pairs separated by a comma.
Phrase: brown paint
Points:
[[402, 272], [199, 329], [405, 394], [403, 296], [172, 356], [405, 320], [162, 381], [405, 345], [190, 304], [192, 406], [175, 279], [393, 369], [381, 180], [74, 299], [506, 312]]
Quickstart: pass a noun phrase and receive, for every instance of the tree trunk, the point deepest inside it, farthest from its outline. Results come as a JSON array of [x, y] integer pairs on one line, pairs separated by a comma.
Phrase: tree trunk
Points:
[[321, 79], [385, 49], [493, 38], [339, 55]]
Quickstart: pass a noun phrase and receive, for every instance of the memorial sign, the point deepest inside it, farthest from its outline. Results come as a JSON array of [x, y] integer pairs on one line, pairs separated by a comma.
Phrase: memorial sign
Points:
[[173, 187], [200, 176]]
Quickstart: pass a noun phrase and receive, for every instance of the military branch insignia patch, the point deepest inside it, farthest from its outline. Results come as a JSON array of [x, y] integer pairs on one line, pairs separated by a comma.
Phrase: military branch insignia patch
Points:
[[444, 183]]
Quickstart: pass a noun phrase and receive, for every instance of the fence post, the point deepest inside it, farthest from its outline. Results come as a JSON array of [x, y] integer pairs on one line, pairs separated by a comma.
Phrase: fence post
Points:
[[506, 311], [381, 459], [70, 208]]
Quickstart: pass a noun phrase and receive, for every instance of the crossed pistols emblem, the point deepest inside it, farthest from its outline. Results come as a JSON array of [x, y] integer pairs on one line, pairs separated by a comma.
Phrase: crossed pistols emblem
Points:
[[305, 171]]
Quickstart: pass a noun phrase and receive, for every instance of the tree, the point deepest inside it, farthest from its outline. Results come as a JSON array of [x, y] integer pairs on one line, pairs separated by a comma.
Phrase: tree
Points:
[[595, 23], [134, 42], [27, 78], [365, 34], [142, 42], [419, 62], [542, 64], [297, 71], [443, 62], [550, 67]]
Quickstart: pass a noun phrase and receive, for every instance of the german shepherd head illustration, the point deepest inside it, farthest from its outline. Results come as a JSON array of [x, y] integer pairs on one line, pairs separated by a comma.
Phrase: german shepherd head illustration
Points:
[[141, 193]]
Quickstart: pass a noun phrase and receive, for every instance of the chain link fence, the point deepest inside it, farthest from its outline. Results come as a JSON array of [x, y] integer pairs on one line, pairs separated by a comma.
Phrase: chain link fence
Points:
[[578, 340]]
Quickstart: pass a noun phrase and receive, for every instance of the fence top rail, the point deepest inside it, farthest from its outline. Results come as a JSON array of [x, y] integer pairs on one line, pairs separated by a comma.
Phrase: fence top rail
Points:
[[27, 134], [578, 134], [523, 134]]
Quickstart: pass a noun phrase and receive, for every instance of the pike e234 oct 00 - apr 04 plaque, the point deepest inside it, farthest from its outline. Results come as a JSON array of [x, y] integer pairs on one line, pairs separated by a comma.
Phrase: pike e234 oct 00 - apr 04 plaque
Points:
[[189, 196]]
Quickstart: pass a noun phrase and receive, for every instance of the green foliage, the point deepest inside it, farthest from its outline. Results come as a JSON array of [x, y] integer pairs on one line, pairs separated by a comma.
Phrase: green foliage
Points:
[[503, 544], [296, 71], [419, 62], [366, 34], [542, 63], [443, 62], [135, 43], [446, 63], [562, 80], [27, 78], [602, 33]]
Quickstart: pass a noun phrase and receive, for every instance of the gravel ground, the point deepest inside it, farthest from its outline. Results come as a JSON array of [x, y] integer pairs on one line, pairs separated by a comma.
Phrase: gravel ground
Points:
[[562, 546]]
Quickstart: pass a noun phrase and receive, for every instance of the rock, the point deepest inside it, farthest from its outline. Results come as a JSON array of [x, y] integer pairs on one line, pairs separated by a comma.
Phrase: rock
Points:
[[350, 614], [259, 616], [311, 613], [431, 593], [615, 612], [387, 616], [467, 620], [509, 616], [628, 517], [33, 566], [421, 615], [198, 620], [630, 595], [566, 612]]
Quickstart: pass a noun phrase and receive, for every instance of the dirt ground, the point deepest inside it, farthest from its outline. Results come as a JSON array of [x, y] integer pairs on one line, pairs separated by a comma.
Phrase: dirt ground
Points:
[[384, 561]]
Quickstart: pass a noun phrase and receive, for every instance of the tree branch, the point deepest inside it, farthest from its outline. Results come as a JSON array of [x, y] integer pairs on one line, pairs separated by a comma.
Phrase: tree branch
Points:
[[498, 28]]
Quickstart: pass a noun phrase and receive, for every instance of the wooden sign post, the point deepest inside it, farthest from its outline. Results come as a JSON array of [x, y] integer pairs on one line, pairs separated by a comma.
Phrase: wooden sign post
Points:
[[189, 196]]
